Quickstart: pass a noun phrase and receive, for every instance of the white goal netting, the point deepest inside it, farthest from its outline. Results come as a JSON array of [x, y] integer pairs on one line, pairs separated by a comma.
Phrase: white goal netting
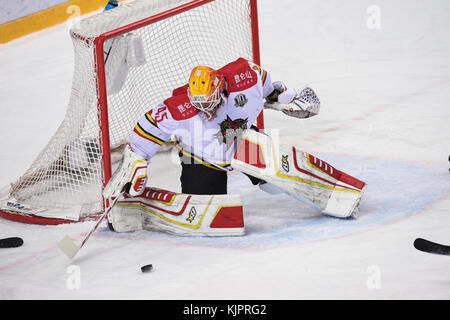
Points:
[[151, 60]]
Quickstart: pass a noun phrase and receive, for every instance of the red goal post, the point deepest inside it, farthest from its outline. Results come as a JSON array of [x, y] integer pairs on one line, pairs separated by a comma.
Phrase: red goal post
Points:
[[65, 181]]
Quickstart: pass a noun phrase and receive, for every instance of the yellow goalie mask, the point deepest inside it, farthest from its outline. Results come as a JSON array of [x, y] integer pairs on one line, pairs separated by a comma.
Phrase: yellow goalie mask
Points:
[[206, 86]]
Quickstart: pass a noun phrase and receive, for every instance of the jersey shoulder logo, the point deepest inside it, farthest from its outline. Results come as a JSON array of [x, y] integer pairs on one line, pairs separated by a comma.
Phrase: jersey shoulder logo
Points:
[[180, 107], [240, 100], [240, 76]]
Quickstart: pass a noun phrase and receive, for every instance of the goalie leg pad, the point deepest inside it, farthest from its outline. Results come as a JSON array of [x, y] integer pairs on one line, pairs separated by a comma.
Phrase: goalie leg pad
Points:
[[125, 219], [299, 174], [133, 168], [179, 213]]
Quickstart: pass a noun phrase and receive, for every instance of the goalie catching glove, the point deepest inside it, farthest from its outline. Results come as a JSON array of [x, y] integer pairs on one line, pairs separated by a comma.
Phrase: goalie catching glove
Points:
[[131, 172], [296, 103]]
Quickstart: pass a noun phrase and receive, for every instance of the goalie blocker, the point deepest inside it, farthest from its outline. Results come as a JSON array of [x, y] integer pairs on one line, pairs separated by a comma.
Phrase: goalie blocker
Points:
[[299, 174]]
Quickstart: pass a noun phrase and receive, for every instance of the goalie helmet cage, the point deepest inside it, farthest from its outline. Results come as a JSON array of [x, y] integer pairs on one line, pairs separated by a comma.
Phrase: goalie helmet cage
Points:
[[65, 182]]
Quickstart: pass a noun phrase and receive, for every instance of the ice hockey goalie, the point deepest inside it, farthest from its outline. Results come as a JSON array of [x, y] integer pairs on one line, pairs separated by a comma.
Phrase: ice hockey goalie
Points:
[[211, 120]]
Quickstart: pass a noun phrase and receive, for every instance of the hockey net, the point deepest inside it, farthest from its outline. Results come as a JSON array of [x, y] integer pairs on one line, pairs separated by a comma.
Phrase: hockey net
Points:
[[65, 182]]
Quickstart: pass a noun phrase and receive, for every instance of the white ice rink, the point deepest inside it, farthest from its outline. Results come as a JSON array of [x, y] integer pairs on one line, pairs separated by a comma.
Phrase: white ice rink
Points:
[[385, 117]]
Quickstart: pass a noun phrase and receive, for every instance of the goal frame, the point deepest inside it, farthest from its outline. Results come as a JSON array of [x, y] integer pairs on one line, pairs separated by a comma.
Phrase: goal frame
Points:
[[102, 100]]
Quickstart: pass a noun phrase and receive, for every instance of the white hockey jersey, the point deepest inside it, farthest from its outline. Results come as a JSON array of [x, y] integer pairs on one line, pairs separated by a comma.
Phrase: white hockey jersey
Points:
[[210, 142]]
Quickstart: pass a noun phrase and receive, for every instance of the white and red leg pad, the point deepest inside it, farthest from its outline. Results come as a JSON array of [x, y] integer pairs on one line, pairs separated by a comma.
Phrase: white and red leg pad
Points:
[[299, 174], [179, 213]]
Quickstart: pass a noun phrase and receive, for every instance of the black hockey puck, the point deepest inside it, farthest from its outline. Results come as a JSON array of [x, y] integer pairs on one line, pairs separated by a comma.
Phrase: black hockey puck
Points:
[[147, 268]]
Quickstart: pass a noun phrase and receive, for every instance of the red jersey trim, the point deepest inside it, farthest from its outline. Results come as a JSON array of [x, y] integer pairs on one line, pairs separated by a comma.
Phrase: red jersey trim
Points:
[[239, 75]]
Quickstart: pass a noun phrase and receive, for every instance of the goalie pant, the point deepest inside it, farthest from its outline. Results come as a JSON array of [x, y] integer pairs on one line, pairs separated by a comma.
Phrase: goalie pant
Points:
[[179, 213], [299, 174]]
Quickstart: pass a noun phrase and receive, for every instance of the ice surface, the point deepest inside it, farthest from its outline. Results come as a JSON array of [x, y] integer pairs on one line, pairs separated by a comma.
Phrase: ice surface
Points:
[[384, 118]]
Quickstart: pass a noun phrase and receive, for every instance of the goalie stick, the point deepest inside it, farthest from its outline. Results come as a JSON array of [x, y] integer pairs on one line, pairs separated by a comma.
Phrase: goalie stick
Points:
[[431, 247], [12, 242], [68, 246]]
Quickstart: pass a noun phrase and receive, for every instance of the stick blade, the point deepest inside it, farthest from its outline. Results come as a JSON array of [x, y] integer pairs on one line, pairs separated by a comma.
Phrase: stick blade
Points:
[[12, 242], [68, 247], [431, 247]]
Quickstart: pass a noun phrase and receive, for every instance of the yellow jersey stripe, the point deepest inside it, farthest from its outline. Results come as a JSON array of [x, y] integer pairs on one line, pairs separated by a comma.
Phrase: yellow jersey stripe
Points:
[[206, 164], [141, 132], [150, 119]]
